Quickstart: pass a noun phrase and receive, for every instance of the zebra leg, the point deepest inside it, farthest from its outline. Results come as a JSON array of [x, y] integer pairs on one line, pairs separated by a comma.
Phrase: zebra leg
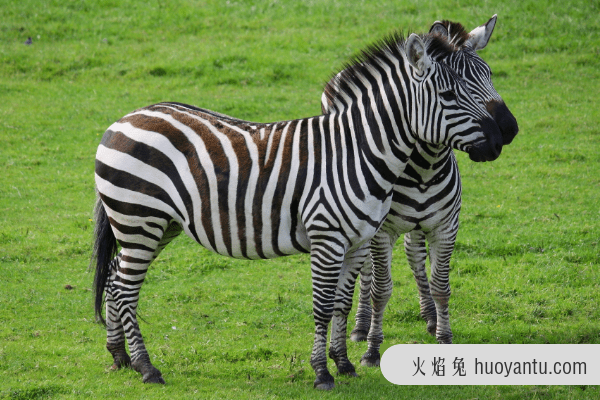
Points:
[[363, 310], [343, 304], [381, 290], [115, 335], [416, 253], [125, 289], [440, 252], [326, 265]]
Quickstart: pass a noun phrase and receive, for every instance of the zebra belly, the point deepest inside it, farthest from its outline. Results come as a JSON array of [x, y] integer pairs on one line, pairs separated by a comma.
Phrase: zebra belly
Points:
[[254, 249]]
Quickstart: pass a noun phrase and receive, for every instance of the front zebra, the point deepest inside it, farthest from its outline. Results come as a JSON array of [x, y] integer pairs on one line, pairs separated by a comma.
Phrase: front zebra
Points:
[[426, 204], [247, 190]]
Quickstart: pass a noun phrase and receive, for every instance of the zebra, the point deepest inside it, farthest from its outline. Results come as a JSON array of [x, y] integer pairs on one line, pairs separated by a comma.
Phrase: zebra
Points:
[[320, 185], [426, 203]]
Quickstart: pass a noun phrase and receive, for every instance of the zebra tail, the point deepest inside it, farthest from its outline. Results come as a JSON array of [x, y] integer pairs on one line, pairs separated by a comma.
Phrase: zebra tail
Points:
[[105, 249]]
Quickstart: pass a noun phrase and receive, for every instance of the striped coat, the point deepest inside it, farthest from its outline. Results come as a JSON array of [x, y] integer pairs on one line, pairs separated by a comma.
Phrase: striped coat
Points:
[[426, 204], [320, 185]]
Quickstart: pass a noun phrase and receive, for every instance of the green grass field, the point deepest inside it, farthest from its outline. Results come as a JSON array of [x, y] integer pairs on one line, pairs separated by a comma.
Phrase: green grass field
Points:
[[526, 265]]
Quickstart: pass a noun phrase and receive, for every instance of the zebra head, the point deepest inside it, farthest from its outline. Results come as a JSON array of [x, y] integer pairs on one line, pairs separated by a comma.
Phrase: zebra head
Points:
[[475, 72], [410, 84], [445, 112]]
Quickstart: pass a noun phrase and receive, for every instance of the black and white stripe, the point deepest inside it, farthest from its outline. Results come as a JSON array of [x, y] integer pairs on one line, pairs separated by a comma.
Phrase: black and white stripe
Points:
[[321, 185], [426, 205]]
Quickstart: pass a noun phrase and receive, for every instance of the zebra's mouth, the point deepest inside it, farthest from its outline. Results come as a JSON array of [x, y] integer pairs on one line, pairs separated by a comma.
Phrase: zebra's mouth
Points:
[[482, 155], [490, 148]]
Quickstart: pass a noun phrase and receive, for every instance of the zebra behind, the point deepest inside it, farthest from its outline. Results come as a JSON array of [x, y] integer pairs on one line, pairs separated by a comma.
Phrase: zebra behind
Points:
[[426, 204], [320, 185]]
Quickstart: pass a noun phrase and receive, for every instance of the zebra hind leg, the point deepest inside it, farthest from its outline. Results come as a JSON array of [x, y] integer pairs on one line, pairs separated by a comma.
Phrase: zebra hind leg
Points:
[[416, 253], [115, 335], [125, 289], [363, 310]]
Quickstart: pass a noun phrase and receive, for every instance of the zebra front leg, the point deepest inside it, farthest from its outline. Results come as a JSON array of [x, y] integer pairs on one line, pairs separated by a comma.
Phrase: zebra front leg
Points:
[[363, 310], [326, 265], [441, 247], [115, 335], [416, 253], [343, 304], [381, 290]]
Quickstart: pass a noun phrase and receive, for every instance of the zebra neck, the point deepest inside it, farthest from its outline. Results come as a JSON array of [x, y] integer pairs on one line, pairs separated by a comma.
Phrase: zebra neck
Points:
[[383, 148]]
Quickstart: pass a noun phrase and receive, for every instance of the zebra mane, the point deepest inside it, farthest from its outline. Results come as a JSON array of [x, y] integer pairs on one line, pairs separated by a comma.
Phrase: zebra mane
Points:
[[391, 47], [457, 34]]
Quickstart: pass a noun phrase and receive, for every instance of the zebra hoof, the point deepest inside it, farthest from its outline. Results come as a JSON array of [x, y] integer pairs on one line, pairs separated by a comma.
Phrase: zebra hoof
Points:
[[117, 366], [358, 335], [431, 327], [445, 339], [154, 378], [324, 385], [344, 366], [370, 359], [149, 373], [347, 369], [120, 357], [324, 381]]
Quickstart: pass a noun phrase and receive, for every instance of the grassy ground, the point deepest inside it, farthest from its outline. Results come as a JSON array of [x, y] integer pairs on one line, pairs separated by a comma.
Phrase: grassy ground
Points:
[[526, 265]]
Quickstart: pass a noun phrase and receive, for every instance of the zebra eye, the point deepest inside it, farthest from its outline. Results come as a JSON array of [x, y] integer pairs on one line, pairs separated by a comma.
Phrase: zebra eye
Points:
[[448, 95]]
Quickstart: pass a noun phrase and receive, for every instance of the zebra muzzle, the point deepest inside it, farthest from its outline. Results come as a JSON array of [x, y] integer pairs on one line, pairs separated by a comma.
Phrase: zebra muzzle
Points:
[[490, 148], [505, 119]]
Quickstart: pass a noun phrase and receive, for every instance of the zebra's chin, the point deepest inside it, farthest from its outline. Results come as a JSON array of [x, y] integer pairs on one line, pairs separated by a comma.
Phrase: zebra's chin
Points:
[[482, 154]]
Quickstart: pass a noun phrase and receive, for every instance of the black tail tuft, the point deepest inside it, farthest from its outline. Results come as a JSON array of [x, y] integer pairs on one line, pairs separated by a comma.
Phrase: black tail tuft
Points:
[[105, 249]]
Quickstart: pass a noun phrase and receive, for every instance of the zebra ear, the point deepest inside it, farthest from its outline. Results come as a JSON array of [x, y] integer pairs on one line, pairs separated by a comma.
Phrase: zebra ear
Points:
[[416, 52], [480, 36], [439, 29]]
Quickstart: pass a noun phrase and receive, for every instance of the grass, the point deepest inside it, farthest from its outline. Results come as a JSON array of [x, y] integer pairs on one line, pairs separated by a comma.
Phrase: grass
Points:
[[525, 268]]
